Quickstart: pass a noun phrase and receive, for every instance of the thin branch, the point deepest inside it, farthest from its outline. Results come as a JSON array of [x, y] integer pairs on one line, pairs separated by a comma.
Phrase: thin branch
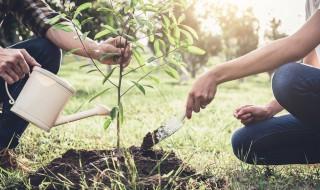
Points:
[[132, 70], [87, 53]]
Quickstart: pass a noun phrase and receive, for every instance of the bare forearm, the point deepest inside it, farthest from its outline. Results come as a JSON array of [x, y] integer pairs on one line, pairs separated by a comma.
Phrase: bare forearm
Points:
[[70, 41], [260, 60]]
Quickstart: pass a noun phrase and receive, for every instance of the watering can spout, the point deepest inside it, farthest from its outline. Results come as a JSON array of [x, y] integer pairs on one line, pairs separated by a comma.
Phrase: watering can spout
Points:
[[98, 110]]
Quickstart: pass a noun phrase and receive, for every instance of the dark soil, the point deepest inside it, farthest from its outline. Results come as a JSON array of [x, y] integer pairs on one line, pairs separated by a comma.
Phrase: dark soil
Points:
[[149, 140], [134, 168]]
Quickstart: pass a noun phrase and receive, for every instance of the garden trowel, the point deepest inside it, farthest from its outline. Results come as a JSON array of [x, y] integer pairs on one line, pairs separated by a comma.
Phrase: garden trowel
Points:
[[166, 130]]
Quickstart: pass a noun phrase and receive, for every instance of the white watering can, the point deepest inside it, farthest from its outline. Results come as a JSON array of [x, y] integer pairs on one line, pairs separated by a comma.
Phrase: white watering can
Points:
[[43, 98]]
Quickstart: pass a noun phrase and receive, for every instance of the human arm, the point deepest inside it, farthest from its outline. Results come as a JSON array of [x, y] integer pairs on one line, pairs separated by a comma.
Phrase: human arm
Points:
[[90, 48], [250, 113], [270, 57]]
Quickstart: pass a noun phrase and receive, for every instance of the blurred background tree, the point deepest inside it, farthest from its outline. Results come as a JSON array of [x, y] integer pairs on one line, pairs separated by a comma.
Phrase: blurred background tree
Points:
[[274, 33], [239, 30]]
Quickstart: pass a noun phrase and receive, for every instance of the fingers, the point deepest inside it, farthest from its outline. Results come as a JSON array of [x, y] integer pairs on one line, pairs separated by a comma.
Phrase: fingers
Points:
[[196, 105], [245, 116], [29, 59], [118, 45], [189, 106], [17, 69], [248, 121], [120, 42], [240, 108], [12, 75], [245, 110], [7, 78]]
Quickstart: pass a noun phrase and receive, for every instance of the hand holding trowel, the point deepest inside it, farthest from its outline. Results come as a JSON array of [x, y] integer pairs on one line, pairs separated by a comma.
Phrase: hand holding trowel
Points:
[[166, 130]]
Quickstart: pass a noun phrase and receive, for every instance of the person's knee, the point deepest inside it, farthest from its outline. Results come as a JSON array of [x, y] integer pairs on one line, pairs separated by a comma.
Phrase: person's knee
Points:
[[242, 145], [286, 83], [51, 55]]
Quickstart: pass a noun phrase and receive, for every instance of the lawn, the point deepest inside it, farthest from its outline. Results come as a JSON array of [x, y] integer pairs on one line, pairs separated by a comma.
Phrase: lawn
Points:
[[203, 142]]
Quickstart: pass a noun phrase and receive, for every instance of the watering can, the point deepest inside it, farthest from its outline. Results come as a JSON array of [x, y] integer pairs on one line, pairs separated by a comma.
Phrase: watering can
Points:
[[43, 98]]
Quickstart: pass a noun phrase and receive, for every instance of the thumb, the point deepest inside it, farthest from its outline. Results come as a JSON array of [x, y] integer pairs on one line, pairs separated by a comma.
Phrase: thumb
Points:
[[29, 59]]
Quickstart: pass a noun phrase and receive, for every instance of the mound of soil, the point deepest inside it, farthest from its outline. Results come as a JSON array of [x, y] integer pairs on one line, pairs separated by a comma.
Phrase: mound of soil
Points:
[[132, 168]]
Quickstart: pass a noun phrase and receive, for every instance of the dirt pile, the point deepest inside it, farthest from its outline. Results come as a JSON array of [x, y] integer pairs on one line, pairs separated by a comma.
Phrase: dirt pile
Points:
[[130, 169]]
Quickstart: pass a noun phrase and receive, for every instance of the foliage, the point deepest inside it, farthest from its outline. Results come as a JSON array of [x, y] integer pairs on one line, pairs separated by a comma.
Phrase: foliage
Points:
[[137, 21], [274, 32], [239, 30], [209, 41]]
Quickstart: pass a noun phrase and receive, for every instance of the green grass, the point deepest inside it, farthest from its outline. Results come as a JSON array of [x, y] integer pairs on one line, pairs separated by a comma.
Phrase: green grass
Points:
[[203, 142]]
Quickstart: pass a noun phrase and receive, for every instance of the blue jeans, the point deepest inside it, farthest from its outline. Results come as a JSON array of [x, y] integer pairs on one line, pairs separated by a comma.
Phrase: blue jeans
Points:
[[12, 126], [288, 139]]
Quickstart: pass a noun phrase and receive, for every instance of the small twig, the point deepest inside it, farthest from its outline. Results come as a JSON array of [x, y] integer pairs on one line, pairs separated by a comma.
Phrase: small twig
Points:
[[150, 62], [86, 51]]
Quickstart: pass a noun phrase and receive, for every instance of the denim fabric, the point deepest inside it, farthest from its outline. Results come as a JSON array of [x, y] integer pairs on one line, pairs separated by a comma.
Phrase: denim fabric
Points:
[[288, 139], [12, 126]]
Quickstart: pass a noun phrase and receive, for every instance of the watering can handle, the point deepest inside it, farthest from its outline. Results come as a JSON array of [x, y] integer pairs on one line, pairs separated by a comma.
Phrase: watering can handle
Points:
[[11, 99]]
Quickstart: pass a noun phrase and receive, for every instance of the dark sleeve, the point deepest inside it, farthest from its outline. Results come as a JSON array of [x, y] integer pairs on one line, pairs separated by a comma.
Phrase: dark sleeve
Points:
[[33, 13]]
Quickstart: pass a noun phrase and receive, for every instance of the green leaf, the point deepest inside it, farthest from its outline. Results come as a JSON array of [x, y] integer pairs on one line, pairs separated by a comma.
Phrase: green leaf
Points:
[[174, 20], [102, 33], [155, 79], [137, 56], [166, 21], [81, 8], [108, 75], [107, 123], [86, 65], [170, 38], [92, 70], [140, 87], [156, 46], [191, 30], [133, 3], [195, 50], [76, 23], [188, 36], [181, 18], [176, 33], [149, 86], [108, 30], [105, 9], [114, 112], [63, 26], [99, 94], [172, 73], [55, 19], [85, 21]]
